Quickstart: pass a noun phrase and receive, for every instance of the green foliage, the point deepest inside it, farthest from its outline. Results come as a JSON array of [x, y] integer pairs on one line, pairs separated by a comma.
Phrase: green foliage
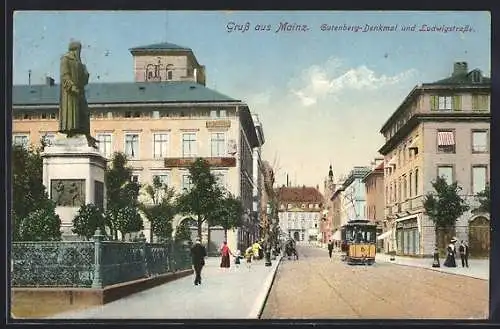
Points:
[[40, 225], [31, 207], [183, 232], [161, 208], [122, 213], [228, 213], [203, 199], [446, 205], [484, 200], [88, 219]]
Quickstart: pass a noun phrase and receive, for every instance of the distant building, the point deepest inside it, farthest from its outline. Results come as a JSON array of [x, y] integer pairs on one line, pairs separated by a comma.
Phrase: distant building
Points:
[[162, 121], [440, 129], [326, 222], [354, 195], [299, 212]]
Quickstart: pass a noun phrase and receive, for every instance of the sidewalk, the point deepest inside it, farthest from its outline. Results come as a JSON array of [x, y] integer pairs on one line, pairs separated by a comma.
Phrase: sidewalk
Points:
[[234, 293], [478, 268]]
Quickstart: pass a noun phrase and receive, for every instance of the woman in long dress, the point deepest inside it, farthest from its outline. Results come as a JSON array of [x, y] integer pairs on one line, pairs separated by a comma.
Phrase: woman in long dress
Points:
[[451, 252], [225, 252]]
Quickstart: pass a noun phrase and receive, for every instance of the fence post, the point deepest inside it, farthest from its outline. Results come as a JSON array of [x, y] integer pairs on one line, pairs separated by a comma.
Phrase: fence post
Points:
[[98, 237], [142, 241]]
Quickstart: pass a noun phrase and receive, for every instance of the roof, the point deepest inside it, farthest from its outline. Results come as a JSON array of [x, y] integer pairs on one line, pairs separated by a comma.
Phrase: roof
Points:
[[378, 170], [462, 79], [123, 92], [160, 47], [299, 194]]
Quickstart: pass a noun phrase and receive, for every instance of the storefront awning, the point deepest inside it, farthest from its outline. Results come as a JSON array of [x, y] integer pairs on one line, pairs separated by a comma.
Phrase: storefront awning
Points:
[[446, 138], [336, 236], [385, 235]]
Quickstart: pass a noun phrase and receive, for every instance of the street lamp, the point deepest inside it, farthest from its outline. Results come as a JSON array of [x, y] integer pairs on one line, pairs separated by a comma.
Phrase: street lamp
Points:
[[268, 237]]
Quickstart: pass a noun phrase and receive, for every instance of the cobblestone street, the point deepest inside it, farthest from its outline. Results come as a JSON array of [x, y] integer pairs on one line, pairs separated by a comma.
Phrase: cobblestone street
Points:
[[316, 288]]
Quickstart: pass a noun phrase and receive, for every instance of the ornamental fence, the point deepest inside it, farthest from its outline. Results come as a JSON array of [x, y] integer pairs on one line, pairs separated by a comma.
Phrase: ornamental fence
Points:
[[93, 264]]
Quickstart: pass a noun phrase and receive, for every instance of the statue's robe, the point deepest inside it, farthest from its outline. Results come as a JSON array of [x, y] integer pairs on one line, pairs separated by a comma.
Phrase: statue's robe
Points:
[[73, 110]]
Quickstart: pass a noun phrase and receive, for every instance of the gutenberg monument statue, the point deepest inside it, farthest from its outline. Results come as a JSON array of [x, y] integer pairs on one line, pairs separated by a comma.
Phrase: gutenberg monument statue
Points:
[[74, 116]]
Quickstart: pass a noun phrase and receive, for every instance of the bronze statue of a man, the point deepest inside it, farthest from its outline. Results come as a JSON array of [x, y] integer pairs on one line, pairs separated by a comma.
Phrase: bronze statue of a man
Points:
[[74, 115]]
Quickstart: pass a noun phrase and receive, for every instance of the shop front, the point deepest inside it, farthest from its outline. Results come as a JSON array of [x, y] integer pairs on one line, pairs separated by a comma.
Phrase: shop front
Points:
[[407, 236]]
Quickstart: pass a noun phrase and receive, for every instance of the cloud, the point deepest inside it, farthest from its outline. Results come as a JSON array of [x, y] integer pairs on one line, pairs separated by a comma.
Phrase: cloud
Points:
[[317, 82]]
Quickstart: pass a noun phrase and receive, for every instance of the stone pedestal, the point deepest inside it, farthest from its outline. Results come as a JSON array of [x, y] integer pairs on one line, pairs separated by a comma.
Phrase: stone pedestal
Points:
[[73, 174]]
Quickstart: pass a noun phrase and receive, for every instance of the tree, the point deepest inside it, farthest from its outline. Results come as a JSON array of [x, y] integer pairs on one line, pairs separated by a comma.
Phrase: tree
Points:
[[484, 200], [87, 220], [159, 208], [122, 213], [444, 207], [202, 200], [30, 198], [183, 231], [228, 214]]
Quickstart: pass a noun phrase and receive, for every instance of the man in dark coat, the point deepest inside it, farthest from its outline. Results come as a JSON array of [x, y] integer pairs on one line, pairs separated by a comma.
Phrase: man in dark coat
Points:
[[463, 249], [198, 254], [330, 248]]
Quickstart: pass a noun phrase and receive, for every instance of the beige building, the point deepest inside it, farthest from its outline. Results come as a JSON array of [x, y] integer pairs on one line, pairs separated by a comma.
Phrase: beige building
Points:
[[375, 203], [162, 122], [440, 129]]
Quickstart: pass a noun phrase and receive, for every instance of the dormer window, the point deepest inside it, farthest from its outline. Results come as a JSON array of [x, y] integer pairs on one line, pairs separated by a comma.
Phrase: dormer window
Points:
[[476, 76]]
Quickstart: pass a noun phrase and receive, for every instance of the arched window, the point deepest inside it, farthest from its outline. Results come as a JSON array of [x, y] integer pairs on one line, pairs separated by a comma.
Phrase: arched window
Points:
[[170, 72]]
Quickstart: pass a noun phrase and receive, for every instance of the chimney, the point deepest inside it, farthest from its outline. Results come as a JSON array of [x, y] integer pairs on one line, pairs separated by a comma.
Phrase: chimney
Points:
[[459, 69], [49, 81]]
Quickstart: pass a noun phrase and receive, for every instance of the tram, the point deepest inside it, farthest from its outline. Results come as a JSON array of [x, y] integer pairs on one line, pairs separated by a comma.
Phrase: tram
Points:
[[359, 242]]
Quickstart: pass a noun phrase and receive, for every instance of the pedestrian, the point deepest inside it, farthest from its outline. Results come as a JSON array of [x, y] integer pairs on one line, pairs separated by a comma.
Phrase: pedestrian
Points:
[[330, 248], [256, 248], [248, 256], [198, 254], [237, 258], [463, 249], [451, 252], [225, 253]]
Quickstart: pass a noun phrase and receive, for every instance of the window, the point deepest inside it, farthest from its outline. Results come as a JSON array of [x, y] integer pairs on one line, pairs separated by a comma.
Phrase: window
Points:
[[416, 181], [156, 114], [109, 115], [48, 138], [444, 103], [480, 102], [399, 190], [169, 74], [446, 172], [160, 145], [188, 145], [104, 143], [405, 188], [135, 178], [446, 141], [222, 113], [480, 141], [22, 140], [220, 177], [410, 194], [213, 114], [163, 177], [186, 183], [132, 145], [479, 179], [218, 142]]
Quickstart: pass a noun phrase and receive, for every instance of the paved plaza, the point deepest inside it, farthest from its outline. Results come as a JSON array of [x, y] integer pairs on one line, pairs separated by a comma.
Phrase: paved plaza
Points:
[[234, 293]]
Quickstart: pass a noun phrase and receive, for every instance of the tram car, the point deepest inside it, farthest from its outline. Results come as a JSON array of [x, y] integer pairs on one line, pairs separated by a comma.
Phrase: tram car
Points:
[[359, 242]]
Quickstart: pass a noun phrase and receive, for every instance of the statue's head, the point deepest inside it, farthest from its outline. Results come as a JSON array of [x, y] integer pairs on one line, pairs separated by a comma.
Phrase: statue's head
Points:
[[75, 46]]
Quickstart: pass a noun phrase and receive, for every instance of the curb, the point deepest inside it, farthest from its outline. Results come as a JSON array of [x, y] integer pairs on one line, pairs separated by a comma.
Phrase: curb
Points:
[[436, 270], [260, 302]]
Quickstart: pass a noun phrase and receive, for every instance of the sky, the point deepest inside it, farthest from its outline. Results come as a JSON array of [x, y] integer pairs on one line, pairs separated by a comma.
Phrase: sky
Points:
[[321, 94]]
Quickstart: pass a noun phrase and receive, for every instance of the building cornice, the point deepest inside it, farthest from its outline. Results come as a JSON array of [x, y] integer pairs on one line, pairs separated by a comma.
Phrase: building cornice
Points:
[[153, 106], [431, 117]]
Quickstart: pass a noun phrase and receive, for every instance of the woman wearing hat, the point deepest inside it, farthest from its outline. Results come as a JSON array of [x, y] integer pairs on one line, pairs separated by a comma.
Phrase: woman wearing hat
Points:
[[451, 252]]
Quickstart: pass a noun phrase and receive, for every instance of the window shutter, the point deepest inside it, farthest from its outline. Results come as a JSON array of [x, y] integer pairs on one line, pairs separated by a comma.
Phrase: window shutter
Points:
[[457, 103], [434, 103], [475, 102]]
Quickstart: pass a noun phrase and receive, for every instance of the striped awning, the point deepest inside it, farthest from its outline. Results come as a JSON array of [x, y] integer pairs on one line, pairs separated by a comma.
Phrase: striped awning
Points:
[[446, 138]]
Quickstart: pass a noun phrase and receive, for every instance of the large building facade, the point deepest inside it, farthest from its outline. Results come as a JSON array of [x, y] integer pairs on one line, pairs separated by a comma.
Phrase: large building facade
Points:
[[299, 212], [162, 121], [375, 202], [440, 129]]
